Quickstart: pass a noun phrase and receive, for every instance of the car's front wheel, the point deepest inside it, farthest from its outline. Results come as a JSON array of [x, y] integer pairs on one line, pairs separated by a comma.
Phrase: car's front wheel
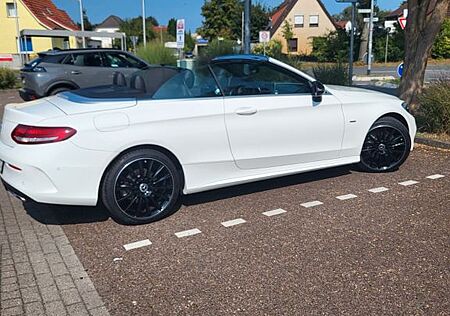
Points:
[[141, 186], [386, 146]]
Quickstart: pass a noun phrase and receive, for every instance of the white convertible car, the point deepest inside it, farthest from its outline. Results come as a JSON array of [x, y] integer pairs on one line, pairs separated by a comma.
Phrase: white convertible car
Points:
[[138, 147]]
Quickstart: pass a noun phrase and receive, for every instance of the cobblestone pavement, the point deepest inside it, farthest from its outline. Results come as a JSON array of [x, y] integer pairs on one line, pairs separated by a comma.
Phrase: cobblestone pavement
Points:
[[40, 272]]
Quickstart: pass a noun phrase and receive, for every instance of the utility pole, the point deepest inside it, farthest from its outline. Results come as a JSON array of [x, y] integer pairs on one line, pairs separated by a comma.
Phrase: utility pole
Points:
[[82, 22], [143, 24], [247, 26], [388, 30], [369, 53]]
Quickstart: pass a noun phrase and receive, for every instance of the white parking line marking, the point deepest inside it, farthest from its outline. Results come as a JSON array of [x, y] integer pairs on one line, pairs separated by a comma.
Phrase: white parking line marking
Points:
[[274, 212], [407, 183], [234, 222], [346, 197], [186, 233], [311, 204], [378, 190], [435, 176], [137, 244]]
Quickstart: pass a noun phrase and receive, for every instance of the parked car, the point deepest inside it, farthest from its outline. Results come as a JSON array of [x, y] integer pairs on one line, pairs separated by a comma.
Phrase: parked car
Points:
[[239, 119], [56, 71]]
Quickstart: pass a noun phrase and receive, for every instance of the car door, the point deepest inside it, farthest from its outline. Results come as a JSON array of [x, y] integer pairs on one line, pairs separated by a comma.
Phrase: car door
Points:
[[272, 120], [122, 62], [86, 69]]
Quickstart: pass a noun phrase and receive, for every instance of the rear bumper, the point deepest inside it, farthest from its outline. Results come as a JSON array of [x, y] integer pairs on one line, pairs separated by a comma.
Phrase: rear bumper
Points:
[[59, 173], [28, 94]]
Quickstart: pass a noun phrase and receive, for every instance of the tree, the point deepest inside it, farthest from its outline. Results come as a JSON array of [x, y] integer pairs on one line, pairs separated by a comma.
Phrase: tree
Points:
[[331, 48], [287, 34], [189, 42], [172, 27], [424, 21], [260, 16], [133, 27], [221, 18], [88, 26], [441, 47]]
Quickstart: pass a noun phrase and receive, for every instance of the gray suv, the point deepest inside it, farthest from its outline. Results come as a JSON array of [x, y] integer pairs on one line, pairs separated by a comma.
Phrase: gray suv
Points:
[[61, 70]]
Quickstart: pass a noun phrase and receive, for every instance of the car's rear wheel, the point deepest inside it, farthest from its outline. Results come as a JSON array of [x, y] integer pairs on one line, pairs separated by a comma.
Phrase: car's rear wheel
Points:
[[59, 90], [386, 147], [142, 186]]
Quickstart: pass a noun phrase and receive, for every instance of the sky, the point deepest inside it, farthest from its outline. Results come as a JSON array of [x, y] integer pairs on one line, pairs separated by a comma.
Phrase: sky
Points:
[[163, 10]]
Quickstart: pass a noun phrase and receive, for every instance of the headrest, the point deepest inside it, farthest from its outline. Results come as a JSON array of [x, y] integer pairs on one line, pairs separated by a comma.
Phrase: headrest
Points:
[[137, 83], [119, 79], [189, 79]]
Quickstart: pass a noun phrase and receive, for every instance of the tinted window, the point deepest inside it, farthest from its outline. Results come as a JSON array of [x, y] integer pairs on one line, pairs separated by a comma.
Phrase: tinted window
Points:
[[257, 79], [85, 59], [197, 83], [53, 59], [121, 60]]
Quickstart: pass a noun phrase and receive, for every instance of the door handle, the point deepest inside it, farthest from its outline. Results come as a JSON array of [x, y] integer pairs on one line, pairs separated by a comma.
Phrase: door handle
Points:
[[246, 111], [74, 72]]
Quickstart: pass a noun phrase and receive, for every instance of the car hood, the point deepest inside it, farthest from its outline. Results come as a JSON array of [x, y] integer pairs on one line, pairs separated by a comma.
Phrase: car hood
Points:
[[352, 93], [71, 103]]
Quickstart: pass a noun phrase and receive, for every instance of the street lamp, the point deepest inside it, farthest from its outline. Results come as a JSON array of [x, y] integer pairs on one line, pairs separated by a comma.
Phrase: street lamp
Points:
[[18, 32], [352, 39], [247, 26], [82, 22], [143, 23]]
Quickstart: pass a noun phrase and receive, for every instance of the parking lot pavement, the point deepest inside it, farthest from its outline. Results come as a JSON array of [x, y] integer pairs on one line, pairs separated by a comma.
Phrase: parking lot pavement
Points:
[[335, 241]]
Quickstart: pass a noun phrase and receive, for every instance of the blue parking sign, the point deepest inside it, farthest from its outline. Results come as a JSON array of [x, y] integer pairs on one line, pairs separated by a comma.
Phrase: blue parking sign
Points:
[[400, 70]]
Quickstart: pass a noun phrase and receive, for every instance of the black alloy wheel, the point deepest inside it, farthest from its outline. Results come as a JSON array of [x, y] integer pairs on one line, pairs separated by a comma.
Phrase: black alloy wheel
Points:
[[386, 146], [141, 187]]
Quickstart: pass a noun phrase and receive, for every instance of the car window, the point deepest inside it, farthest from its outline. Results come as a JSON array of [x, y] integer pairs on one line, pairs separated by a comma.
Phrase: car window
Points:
[[196, 83], [85, 59], [121, 60], [243, 78]]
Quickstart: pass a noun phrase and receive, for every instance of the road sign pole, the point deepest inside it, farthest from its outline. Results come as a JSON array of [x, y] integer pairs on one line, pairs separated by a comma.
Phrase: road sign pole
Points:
[[352, 44], [369, 54]]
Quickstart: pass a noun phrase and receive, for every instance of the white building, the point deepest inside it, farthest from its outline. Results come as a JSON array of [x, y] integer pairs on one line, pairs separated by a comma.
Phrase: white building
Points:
[[110, 25]]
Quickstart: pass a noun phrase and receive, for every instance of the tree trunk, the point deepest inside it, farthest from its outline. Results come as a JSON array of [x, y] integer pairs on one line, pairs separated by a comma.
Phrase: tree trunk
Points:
[[425, 18], [364, 41]]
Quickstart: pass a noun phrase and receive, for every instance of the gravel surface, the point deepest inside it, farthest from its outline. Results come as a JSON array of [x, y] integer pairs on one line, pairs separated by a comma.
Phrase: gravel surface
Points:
[[378, 253]]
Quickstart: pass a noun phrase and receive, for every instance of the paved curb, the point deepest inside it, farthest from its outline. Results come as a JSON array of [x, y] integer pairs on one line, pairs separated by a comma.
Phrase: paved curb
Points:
[[432, 142], [40, 272]]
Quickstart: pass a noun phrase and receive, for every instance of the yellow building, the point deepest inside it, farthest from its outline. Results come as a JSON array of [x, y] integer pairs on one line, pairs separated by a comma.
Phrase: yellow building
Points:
[[34, 15], [308, 19]]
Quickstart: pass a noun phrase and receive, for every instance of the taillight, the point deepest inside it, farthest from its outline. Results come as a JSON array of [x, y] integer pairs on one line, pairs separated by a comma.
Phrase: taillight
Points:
[[31, 135]]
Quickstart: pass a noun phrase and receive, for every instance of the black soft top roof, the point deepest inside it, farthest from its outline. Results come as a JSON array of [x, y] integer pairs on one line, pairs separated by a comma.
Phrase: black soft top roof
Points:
[[142, 84]]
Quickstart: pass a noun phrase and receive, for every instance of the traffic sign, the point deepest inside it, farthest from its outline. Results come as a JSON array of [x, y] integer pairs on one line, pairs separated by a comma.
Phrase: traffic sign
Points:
[[264, 36], [400, 70], [367, 20], [364, 11], [180, 33], [402, 22]]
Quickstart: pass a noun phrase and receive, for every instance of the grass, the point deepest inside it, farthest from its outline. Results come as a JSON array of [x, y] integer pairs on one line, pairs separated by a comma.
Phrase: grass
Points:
[[440, 137]]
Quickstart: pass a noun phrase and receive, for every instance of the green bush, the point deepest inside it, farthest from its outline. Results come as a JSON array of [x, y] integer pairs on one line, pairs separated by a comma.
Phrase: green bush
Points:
[[273, 49], [441, 47], [433, 113], [156, 53], [216, 48], [8, 78], [332, 74], [333, 47]]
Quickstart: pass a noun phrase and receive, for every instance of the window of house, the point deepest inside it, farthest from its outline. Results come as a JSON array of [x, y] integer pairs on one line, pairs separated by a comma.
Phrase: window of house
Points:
[[293, 44], [11, 10], [299, 20], [313, 21]]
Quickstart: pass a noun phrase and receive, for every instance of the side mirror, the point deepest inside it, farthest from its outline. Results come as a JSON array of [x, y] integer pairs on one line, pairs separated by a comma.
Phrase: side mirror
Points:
[[317, 90]]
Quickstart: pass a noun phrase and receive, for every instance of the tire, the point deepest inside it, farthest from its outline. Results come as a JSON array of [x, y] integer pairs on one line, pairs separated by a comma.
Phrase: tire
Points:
[[142, 186], [386, 146], [59, 90]]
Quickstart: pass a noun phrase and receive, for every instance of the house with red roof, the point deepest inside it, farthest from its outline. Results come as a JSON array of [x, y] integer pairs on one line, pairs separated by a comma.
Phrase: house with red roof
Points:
[[34, 15], [308, 19]]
